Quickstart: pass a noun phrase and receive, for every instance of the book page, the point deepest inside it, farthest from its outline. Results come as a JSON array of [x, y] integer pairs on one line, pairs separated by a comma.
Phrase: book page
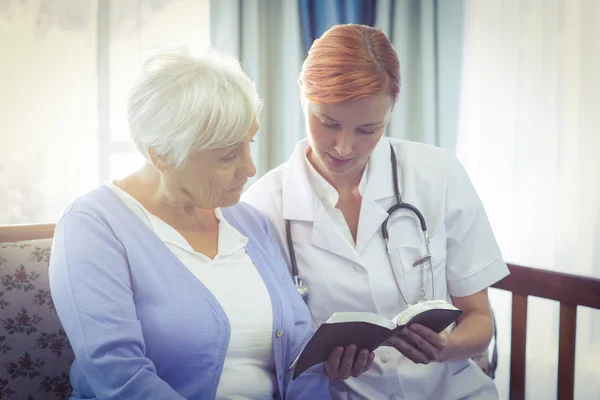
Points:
[[415, 309], [368, 317]]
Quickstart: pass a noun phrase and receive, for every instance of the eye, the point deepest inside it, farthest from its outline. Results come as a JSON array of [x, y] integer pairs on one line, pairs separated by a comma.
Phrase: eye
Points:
[[330, 125], [366, 132], [229, 158]]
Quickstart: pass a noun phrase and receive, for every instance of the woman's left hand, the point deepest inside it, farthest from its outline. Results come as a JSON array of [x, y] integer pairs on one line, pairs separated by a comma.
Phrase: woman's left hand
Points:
[[422, 345], [344, 363]]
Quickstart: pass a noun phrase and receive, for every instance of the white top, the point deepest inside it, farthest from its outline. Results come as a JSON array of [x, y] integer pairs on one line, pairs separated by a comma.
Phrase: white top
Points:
[[359, 278], [249, 369]]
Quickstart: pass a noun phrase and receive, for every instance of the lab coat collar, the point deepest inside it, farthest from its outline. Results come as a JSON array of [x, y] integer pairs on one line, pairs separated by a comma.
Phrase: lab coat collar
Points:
[[301, 203], [380, 186], [380, 183], [299, 199]]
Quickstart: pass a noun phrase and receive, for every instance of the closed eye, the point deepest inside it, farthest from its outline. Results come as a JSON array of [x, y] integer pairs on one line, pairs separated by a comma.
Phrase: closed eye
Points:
[[330, 125], [229, 158], [366, 131]]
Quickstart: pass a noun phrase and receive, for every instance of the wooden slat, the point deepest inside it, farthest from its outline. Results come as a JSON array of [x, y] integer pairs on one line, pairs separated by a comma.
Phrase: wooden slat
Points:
[[566, 351], [17, 233], [518, 347], [564, 288]]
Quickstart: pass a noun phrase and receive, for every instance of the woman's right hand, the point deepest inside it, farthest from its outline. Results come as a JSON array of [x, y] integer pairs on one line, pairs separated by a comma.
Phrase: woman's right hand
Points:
[[343, 363], [421, 345]]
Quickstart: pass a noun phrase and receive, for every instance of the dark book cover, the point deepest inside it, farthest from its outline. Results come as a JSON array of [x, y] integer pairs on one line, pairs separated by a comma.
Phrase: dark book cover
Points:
[[364, 335]]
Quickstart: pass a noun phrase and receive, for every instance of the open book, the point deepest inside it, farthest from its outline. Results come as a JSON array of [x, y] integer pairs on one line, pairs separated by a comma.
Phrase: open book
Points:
[[369, 331]]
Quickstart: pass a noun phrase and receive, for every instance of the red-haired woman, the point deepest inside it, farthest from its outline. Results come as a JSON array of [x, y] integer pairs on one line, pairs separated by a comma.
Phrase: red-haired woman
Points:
[[333, 198]]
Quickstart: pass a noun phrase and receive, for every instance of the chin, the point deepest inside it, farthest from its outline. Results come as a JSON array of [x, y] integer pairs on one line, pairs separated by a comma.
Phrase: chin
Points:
[[339, 170], [231, 199]]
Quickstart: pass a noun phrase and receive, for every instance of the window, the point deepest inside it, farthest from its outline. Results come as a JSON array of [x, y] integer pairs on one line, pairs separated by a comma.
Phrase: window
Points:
[[529, 138], [65, 75]]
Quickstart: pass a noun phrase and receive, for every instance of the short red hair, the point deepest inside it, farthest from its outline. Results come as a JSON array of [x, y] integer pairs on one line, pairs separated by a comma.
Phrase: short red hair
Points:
[[349, 62]]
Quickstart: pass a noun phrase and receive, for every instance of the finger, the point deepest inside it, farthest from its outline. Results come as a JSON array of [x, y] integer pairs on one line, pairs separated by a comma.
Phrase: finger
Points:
[[409, 351], [360, 363], [333, 362], [346, 362], [422, 344], [370, 360], [435, 339]]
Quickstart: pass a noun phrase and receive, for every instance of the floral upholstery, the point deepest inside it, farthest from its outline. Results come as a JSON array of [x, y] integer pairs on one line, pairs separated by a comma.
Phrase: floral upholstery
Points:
[[35, 354]]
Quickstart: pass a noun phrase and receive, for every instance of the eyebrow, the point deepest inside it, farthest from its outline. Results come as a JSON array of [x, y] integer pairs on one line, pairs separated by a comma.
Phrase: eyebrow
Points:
[[363, 125]]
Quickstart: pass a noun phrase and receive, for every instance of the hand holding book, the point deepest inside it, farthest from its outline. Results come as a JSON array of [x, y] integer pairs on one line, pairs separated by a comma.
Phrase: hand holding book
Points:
[[370, 331], [346, 362], [420, 344]]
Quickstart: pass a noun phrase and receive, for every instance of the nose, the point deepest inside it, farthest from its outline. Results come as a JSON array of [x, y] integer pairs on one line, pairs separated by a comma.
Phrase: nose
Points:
[[247, 168], [343, 143]]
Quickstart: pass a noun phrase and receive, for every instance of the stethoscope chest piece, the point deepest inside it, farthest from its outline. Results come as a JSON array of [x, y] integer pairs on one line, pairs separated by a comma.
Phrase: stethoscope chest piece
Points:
[[302, 288]]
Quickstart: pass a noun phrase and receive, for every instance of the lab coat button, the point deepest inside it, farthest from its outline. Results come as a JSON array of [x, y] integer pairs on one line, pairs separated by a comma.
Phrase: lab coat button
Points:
[[384, 358], [279, 333]]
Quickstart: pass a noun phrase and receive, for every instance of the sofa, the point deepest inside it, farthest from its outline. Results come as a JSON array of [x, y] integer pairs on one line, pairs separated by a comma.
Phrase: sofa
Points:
[[35, 355]]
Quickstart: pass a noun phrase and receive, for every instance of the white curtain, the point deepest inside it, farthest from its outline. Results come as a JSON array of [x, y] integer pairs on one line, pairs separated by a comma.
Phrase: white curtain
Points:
[[265, 36], [428, 36], [529, 135]]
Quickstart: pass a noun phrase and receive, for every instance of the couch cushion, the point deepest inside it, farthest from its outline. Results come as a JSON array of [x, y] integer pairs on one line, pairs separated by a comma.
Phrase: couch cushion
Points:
[[34, 351]]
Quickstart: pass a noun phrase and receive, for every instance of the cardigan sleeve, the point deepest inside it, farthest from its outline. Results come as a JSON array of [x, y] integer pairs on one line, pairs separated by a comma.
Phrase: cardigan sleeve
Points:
[[313, 383], [91, 289]]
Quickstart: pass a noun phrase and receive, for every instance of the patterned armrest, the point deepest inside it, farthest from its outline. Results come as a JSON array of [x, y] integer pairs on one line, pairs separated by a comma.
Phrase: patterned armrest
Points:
[[35, 353]]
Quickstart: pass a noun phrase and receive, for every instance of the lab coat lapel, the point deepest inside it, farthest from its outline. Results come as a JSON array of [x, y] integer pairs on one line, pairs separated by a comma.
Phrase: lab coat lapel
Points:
[[325, 235], [380, 186]]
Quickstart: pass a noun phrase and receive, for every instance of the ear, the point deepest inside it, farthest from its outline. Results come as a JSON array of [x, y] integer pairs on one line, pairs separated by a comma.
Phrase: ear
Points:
[[159, 162]]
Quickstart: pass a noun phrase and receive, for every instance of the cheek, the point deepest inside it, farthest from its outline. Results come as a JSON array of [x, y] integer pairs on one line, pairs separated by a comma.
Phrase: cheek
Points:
[[207, 182], [367, 144], [318, 135]]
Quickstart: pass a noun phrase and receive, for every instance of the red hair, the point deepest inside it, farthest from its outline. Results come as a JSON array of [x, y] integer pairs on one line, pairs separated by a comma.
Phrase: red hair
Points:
[[349, 62]]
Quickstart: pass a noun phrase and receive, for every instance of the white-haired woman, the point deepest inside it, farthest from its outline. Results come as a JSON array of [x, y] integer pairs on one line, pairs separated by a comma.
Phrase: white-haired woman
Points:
[[167, 287]]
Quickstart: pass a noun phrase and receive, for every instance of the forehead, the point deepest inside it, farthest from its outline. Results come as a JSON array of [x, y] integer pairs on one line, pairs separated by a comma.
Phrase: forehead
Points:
[[371, 109]]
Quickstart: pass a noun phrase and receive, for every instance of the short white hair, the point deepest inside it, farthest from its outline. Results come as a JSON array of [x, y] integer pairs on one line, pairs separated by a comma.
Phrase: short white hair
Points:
[[182, 104]]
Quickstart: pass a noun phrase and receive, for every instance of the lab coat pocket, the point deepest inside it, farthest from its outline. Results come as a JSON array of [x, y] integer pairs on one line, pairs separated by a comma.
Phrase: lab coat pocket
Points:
[[409, 268]]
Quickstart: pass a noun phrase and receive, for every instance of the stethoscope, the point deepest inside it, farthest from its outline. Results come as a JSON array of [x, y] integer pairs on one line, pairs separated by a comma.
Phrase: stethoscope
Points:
[[301, 285]]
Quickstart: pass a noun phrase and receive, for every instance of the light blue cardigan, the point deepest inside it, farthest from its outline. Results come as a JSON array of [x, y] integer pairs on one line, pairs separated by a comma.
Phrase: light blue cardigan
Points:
[[142, 326]]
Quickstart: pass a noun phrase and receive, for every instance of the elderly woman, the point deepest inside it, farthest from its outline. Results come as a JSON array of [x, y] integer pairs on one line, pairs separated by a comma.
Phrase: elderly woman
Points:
[[166, 286]]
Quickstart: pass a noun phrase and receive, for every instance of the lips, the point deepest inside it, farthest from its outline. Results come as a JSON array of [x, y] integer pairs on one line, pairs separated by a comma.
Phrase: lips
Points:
[[238, 188]]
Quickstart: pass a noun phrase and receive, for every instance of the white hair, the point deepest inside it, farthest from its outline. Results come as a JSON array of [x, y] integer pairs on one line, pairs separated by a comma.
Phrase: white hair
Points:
[[182, 104]]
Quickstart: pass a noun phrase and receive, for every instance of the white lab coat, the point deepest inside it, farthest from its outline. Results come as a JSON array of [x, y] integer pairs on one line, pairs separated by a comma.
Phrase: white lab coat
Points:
[[343, 277]]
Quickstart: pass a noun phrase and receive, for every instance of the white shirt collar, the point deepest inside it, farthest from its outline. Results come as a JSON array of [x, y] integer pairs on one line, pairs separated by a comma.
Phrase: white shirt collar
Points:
[[323, 189], [299, 197], [230, 241]]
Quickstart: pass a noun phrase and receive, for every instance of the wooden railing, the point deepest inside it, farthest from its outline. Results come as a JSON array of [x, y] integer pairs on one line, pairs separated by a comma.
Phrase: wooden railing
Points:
[[16, 233], [570, 291]]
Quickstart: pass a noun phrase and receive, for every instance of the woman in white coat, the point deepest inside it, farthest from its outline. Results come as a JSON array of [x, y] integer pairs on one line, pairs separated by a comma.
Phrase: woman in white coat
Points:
[[334, 195]]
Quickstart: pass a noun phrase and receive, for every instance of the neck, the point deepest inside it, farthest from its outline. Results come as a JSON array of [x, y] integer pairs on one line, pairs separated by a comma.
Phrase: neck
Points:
[[167, 199]]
